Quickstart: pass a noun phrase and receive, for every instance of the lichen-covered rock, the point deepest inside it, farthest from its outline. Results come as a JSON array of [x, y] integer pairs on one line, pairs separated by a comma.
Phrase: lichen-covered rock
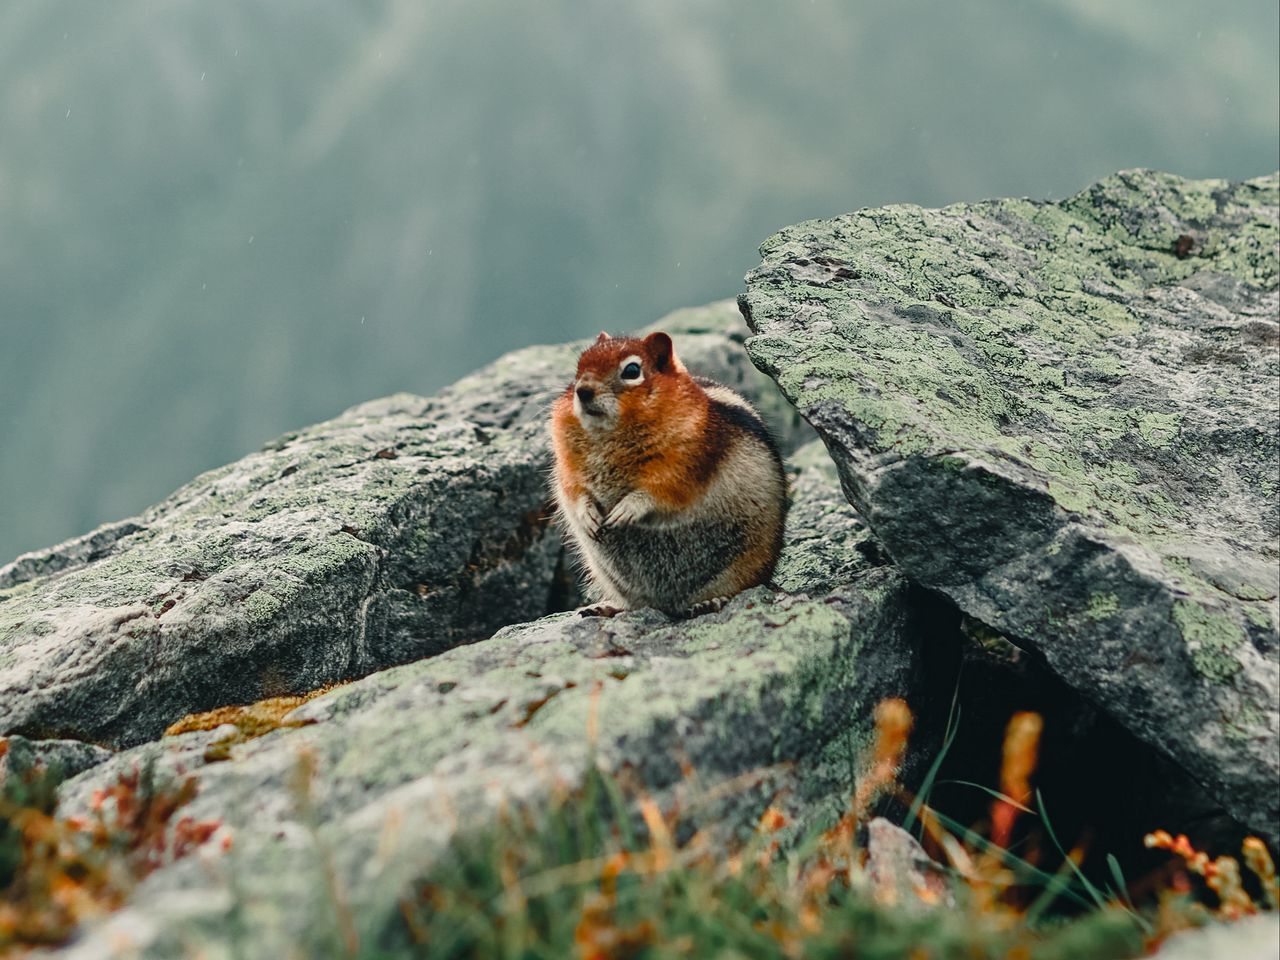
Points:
[[400, 529], [1064, 417], [826, 542], [774, 693], [54, 760]]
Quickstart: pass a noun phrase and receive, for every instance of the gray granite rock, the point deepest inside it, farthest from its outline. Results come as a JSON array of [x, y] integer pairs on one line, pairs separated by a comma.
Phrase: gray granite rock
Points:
[[773, 695], [1064, 417], [400, 529], [1253, 938], [56, 759], [826, 542]]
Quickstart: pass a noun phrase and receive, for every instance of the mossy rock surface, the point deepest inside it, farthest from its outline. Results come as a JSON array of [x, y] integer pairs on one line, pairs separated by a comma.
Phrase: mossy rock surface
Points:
[[768, 700], [398, 530], [1064, 417]]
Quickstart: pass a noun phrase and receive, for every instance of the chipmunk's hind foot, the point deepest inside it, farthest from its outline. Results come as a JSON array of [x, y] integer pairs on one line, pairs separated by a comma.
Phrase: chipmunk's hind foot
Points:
[[714, 605], [600, 610]]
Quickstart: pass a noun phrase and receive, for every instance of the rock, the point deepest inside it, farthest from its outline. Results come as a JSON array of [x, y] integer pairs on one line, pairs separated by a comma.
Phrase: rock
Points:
[[1063, 417], [774, 694], [402, 528], [900, 871], [59, 759], [827, 543], [1253, 938]]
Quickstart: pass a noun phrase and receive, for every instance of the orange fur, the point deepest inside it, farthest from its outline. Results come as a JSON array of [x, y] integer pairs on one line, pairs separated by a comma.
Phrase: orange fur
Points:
[[568, 441], [677, 417], [663, 422], [650, 451]]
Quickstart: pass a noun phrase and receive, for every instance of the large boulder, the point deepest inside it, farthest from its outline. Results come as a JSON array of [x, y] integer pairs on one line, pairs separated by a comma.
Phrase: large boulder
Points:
[[1064, 417], [400, 529], [773, 695]]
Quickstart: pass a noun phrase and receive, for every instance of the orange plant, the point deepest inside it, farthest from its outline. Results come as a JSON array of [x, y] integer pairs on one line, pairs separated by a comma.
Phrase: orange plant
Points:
[[74, 868], [1222, 875]]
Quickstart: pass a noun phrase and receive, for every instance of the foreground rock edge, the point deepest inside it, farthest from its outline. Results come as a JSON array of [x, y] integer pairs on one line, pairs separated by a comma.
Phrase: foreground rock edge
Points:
[[420, 752], [776, 687]]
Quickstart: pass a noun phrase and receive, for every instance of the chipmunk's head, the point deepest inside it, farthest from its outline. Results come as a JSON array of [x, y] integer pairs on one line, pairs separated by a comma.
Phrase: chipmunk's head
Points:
[[621, 374]]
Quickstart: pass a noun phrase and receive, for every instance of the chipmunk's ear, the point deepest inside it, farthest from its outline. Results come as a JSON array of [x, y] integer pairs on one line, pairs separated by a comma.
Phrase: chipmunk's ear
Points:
[[661, 353], [603, 337]]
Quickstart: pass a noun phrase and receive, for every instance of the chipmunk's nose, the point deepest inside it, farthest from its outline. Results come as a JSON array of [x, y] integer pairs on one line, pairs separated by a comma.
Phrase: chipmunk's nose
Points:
[[586, 394]]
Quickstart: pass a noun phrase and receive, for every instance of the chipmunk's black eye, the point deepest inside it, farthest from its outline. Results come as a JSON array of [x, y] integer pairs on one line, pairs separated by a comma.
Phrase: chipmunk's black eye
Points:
[[631, 371]]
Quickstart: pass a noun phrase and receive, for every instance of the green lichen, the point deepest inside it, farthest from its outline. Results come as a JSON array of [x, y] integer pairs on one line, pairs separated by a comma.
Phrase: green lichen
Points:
[[1259, 615], [1243, 589], [1102, 606], [1246, 724], [825, 539], [1213, 638], [638, 679], [261, 607], [805, 618], [325, 557], [1159, 429]]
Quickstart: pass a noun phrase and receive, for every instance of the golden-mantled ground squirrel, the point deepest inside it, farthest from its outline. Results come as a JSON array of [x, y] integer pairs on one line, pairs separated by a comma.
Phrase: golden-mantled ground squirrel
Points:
[[670, 486]]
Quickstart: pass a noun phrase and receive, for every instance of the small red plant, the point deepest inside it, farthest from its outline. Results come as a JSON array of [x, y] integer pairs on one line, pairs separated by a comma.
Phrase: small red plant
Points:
[[71, 869]]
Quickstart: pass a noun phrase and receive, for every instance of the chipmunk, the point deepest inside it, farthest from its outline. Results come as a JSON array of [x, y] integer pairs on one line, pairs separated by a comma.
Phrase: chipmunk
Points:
[[670, 486]]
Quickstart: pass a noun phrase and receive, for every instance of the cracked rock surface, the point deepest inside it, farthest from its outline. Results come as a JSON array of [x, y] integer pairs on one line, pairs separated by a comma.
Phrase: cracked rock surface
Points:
[[401, 528], [1063, 416]]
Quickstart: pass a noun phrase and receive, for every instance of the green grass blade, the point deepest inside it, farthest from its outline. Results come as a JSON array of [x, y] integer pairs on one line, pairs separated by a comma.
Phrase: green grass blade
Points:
[[1118, 875], [926, 785], [1008, 859], [993, 793], [1093, 891]]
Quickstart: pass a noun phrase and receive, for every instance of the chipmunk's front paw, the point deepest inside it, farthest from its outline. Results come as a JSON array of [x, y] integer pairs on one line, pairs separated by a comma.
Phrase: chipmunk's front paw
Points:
[[635, 506], [592, 518]]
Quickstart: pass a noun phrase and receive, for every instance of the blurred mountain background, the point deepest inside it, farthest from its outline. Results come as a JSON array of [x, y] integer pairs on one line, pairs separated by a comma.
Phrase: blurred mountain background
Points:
[[220, 221]]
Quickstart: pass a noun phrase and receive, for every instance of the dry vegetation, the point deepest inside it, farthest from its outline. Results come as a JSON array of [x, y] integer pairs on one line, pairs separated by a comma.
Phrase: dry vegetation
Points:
[[57, 871], [586, 881], [244, 722], [607, 872]]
